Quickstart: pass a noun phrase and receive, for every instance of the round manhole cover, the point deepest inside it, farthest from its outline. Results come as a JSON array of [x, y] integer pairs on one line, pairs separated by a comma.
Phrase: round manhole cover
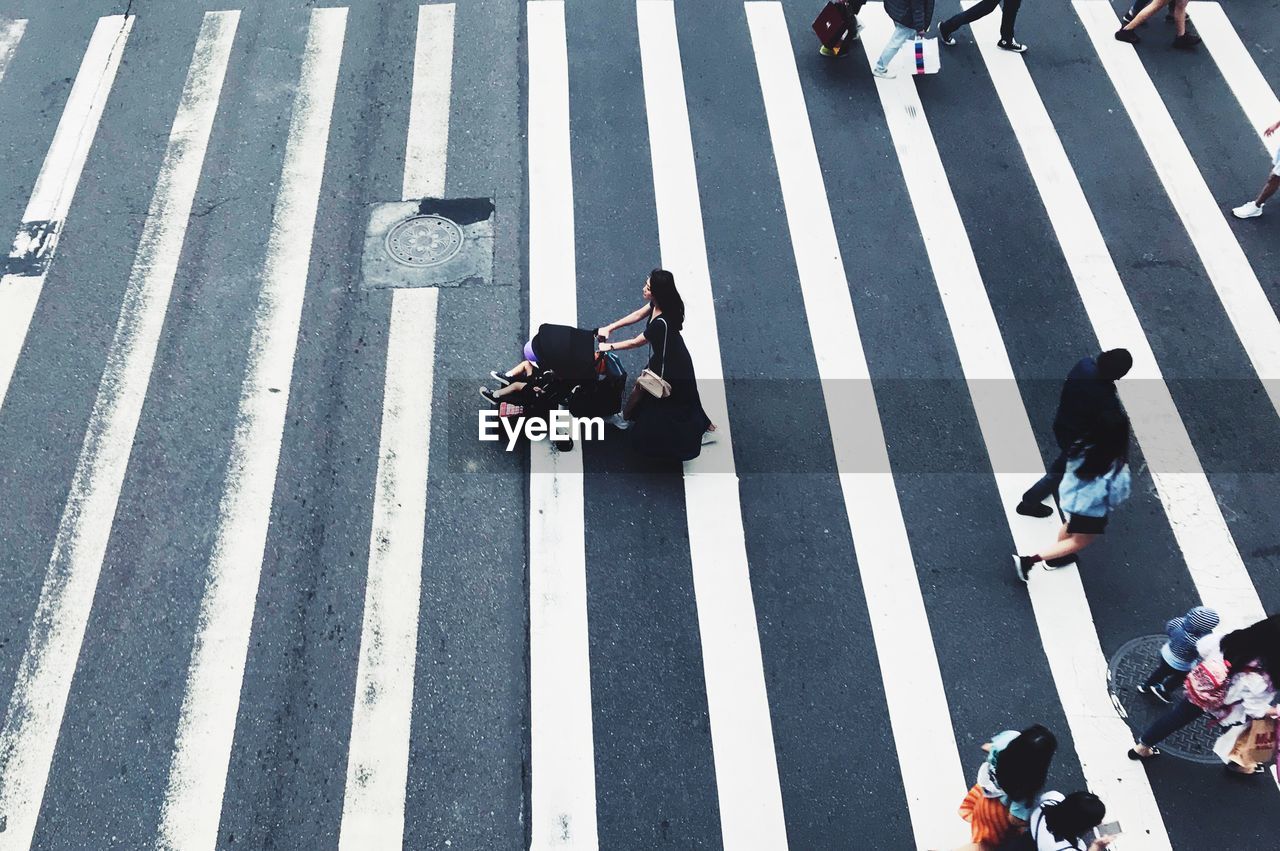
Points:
[[424, 240], [1129, 668]]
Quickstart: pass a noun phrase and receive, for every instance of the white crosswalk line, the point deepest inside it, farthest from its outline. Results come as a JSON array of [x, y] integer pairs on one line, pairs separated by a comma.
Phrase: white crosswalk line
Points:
[[378, 752], [1238, 68], [46, 211], [750, 796], [1229, 271], [206, 725], [40, 694], [1061, 609], [560, 728], [11, 32], [1211, 554], [928, 757]]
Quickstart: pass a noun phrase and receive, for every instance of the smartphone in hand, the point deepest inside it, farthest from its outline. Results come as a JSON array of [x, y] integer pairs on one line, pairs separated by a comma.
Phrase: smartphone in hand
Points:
[[1111, 828]]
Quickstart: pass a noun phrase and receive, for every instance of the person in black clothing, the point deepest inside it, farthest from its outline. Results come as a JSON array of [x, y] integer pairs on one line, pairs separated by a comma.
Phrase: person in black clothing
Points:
[[1088, 397], [1008, 16], [674, 426]]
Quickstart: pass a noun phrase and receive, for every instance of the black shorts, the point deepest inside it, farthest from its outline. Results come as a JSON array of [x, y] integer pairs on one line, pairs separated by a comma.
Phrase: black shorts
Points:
[[1082, 525]]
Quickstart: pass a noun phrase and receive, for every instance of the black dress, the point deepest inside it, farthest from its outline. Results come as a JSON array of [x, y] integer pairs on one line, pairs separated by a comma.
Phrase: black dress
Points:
[[670, 427]]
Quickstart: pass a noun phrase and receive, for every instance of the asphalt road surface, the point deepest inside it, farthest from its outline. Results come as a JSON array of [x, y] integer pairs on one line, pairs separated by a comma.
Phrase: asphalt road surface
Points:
[[261, 586]]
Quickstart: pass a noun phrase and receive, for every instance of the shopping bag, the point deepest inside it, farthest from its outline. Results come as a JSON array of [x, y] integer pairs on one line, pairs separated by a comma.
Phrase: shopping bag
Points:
[[1254, 744], [925, 57], [830, 25]]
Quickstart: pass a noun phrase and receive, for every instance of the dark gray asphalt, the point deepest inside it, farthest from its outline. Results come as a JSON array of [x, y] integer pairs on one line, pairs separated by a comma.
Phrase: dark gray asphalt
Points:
[[469, 768]]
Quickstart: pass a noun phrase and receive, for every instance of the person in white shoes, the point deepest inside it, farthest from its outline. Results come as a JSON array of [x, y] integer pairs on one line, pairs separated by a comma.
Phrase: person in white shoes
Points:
[[1253, 209], [911, 19]]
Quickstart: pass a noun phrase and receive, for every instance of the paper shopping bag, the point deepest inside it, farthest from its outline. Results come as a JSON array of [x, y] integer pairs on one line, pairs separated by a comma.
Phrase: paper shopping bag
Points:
[[925, 57], [1255, 744]]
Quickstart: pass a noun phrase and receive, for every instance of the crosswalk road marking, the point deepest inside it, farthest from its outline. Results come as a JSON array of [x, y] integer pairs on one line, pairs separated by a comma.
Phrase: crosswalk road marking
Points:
[[1229, 271], [378, 751], [928, 757], [741, 731], [197, 774], [1197, 522], [563, 780], [563, 773], [1061, 608], [56, 183], [40, 695], [1236, 63]]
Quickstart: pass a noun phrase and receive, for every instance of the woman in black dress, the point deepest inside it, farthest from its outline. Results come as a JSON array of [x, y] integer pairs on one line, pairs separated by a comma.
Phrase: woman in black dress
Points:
[[675, 426]]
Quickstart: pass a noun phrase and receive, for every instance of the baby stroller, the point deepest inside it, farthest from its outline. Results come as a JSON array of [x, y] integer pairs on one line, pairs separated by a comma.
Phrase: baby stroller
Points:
[[570, 372]]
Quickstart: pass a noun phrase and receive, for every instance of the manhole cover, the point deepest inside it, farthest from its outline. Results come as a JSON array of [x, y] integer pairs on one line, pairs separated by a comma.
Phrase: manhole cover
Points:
[[1130, 667], [424, 241]]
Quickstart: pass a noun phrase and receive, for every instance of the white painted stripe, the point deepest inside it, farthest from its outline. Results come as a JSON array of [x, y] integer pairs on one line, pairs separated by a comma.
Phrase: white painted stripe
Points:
[[563, 781], [1061, 609], [39, 698], [928, 758], [1229, 271], [1235, 61], [1202, 533], [378, 752], [11, 32], [206, 726], [56, 184], [428, 144], [751, 813]]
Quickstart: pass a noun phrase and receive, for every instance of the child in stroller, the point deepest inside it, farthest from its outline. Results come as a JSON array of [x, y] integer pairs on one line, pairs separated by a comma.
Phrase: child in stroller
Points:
[[560, 366]]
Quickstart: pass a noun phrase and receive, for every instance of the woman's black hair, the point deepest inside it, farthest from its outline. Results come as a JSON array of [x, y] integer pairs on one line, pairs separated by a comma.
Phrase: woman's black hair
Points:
[[662, 288], [1106, 443], [1023, 766], [1258, 644], [1074, 816]]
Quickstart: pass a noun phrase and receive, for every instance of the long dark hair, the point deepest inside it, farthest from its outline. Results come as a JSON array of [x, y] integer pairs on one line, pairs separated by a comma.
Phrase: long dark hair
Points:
[[1106, 443], [1074, 816], [662, 288], [1023, 766], [1259, 644]]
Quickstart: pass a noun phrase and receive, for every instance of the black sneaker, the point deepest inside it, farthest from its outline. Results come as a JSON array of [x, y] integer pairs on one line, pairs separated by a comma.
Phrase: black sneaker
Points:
[[1022, 566], [1062, 561], [1127, 36], [1011, 45], [1186, 41], [1033, 509], [502, 379], [1158, 692], [487, 395], [1127, 17]]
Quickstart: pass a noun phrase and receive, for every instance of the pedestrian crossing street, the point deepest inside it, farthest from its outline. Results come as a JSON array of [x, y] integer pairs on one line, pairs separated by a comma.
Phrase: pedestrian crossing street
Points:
[[803, 730]]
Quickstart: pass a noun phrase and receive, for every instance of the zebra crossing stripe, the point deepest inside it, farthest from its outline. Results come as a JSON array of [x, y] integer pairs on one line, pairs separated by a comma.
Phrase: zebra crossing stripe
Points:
[[563, 784], [1229, 271], [1211, 554], [1061, 609], [378, 750], [750, 796], [11, 32], [1236, 63], [55, 185], [928, 758], [206, 725], [48, 665]]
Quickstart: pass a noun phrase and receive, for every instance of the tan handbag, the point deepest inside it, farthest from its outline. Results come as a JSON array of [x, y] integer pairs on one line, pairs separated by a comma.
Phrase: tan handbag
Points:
[[652, 382]]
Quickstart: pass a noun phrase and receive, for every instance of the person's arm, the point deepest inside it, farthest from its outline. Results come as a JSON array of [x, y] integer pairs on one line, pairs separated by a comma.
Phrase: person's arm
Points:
[[1101, 843], [634, 343], [630, 319], [917, 16], [1273, 128]]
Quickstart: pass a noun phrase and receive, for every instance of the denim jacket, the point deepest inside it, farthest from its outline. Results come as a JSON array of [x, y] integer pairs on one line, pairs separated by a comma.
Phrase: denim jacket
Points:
[[1093, 497]]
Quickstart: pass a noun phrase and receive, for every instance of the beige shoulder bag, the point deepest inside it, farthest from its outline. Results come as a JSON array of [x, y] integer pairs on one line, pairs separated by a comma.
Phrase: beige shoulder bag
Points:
[[652, 382]]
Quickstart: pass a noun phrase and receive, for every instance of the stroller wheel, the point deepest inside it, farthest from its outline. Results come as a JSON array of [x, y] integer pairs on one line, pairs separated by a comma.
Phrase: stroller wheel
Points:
[[563, 445]]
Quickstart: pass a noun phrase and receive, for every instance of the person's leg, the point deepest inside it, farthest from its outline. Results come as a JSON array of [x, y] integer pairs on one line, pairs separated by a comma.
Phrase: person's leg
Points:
[[1160, 674], [897, 38], [1171, 682], [968, 16], [1268, 189], [1177, 716], [513, 387], [1143, 16], [1047, 486], [1069, 543], [1180, 17], [1008, 17]]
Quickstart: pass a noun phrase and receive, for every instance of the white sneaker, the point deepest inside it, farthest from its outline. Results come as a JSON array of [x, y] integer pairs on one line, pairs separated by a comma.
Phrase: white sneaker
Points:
[[708, 438], [618, 422], [884, 74], [1247, 211]]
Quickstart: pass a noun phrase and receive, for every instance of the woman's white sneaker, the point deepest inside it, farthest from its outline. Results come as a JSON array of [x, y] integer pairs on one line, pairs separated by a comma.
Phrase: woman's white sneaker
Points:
[[1247, 211]]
